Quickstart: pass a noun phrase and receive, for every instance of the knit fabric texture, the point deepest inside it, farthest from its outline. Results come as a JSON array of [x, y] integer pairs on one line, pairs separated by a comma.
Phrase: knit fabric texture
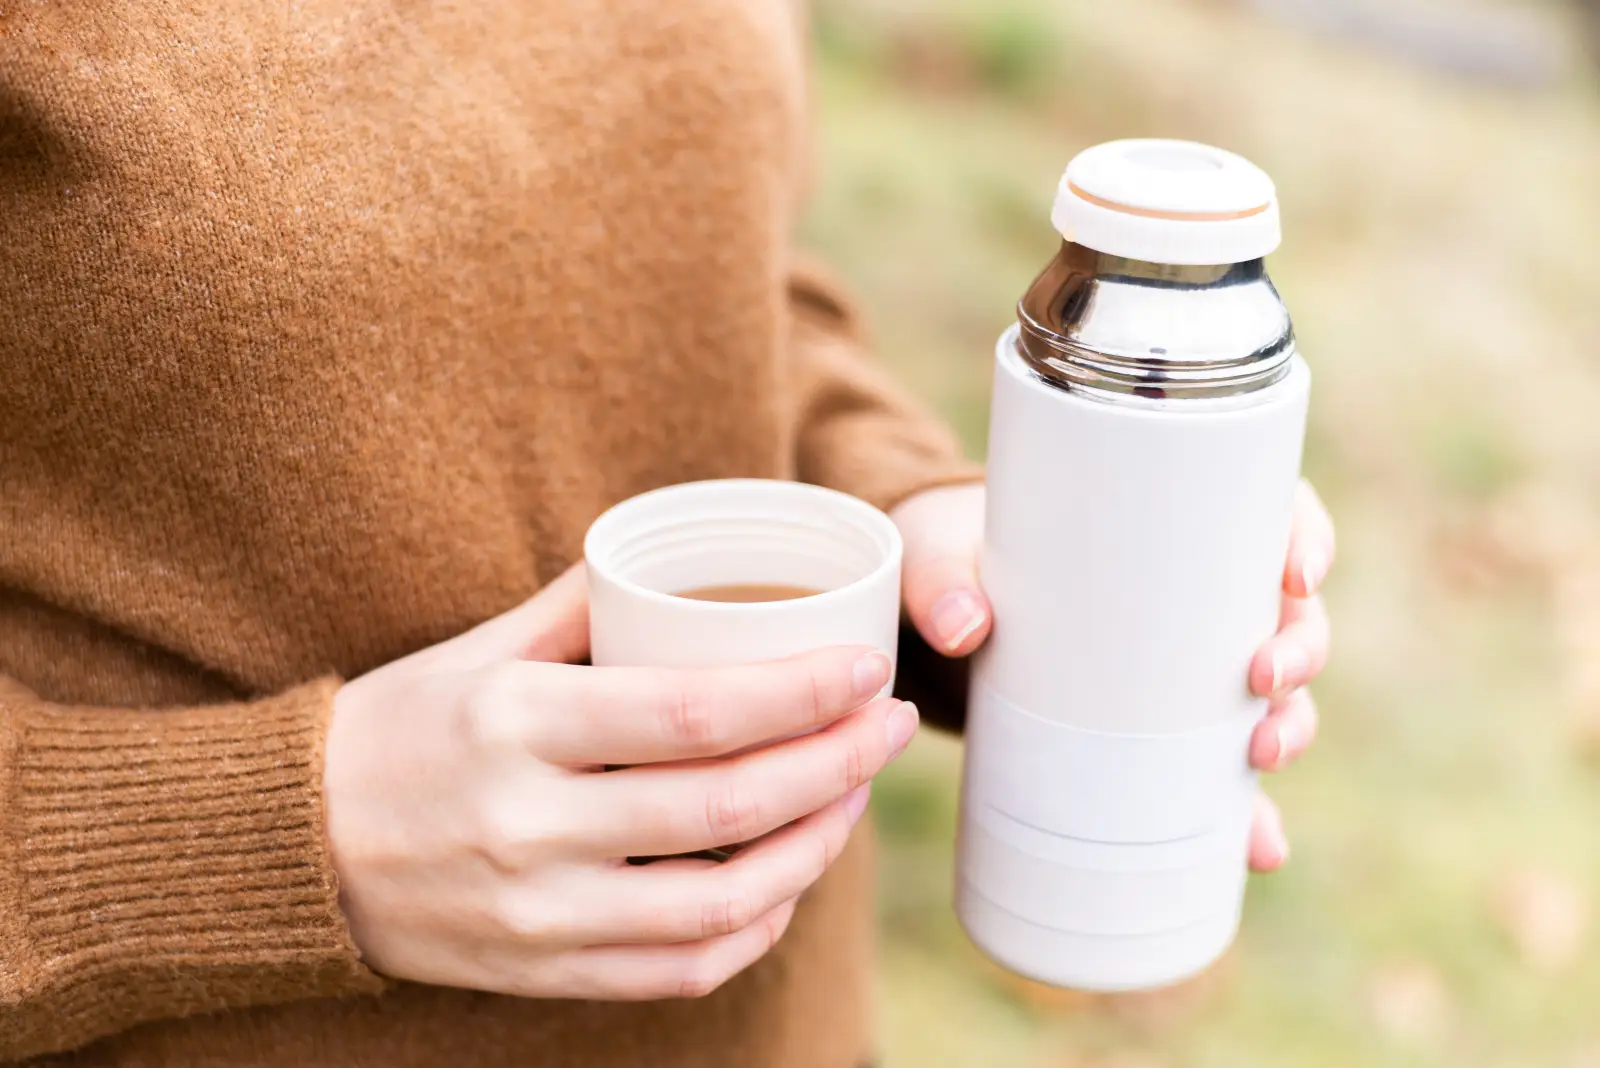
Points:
[[326, 329]]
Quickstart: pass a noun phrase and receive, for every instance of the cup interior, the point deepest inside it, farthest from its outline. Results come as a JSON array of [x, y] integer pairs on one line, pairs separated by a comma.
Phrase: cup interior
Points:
[[738, 532]]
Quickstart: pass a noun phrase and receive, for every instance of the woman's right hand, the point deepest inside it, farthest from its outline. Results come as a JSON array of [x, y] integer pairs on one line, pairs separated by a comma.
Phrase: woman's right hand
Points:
[[480, 844]]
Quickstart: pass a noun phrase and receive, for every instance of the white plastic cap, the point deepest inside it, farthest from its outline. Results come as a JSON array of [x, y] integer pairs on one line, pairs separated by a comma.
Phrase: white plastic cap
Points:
[[1177, 202]]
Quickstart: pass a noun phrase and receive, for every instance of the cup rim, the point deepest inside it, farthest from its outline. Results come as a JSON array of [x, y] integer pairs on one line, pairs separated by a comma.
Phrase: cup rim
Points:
[[869, 516]]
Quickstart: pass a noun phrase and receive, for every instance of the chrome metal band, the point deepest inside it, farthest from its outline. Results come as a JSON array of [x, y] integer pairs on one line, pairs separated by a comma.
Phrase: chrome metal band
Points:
[[1123, 329]]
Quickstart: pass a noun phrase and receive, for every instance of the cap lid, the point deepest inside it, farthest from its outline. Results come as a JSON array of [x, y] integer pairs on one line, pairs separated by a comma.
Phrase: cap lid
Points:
[[1176, 202]]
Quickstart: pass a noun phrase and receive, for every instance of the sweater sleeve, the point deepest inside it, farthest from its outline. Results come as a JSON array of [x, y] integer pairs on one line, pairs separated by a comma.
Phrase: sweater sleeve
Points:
[[858, 431], [158, 864]]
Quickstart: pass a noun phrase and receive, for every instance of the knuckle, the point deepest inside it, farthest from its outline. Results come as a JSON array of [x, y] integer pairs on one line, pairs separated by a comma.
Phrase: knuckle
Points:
[[725, 914], [521, 921], [855, 765], [688, 714], [701, 977], [489, 716], [503, 837], [732, 813], [817, 702]]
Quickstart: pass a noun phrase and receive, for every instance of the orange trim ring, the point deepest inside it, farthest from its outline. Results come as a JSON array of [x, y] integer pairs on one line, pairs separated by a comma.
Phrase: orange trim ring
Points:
[[1180, 216]]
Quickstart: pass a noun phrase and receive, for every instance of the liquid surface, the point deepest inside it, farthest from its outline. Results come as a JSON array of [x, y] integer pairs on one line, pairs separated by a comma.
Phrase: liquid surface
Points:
[[748, 593]]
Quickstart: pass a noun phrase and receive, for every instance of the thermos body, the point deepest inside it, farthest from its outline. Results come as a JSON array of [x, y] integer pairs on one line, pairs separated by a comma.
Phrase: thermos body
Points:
[[1134, 558], [1144, 451]]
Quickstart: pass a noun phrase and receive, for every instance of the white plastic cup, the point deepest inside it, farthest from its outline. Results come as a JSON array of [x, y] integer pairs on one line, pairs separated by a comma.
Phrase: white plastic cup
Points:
[[646, 550]]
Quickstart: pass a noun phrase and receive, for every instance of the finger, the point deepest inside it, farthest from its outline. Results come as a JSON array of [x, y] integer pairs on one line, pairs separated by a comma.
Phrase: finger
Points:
[[1268, 846], [1296, 654], [693, 900], [945, 602], [943, 530], [552, 625], [651, 973], [646, 715], [1312, 544], [1288, 728], [663, 809]]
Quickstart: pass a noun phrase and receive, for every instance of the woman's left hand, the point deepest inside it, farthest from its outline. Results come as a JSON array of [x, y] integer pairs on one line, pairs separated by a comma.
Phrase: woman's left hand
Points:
[[943, 532]]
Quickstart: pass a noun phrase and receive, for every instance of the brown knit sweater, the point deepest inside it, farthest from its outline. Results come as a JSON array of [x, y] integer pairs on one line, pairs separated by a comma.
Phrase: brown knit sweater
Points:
[[326, 328]]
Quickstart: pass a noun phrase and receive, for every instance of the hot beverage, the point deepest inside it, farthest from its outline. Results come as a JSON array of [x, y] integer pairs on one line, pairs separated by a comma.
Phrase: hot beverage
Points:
[[748, 593]]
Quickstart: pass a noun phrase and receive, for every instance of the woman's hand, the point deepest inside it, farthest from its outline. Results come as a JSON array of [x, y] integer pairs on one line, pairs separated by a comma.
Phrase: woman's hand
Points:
[[478, 843], [1287, 663], [943, 532]]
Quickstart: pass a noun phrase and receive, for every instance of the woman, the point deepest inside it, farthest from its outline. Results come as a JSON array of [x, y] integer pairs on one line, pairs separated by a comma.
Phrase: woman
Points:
[[327, 330]]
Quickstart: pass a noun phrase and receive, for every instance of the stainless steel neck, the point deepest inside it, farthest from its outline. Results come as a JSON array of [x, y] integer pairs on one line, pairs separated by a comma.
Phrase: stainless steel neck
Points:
[[1126, 330]]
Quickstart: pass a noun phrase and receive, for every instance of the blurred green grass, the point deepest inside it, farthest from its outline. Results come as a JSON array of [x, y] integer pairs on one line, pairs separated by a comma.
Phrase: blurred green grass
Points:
[[1440, 260]]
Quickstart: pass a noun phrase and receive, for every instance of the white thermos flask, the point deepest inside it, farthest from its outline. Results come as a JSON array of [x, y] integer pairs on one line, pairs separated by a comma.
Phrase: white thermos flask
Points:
[[1148, 415]]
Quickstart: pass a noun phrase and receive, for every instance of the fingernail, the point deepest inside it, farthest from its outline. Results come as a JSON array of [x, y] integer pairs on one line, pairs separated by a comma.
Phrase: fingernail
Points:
[[855, 803], [902, 726], [1288, 741], [1290, 665], [1313, 569], [956, 616], [871, 675]]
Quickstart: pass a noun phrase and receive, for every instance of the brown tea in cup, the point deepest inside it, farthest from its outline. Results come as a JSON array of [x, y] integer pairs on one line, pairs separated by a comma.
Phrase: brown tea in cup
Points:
[[748, 593]]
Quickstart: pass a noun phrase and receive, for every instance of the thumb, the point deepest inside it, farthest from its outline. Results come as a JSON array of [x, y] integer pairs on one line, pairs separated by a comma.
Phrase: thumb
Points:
[[943, 530], [945, 602], [552, 625]]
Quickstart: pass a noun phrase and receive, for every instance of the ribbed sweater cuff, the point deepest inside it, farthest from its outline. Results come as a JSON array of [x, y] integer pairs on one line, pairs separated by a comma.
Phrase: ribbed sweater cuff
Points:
[[174, 861]]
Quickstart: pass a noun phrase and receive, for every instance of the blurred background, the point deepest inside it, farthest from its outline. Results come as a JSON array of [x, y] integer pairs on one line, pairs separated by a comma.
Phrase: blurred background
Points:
[[1439, 168]]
